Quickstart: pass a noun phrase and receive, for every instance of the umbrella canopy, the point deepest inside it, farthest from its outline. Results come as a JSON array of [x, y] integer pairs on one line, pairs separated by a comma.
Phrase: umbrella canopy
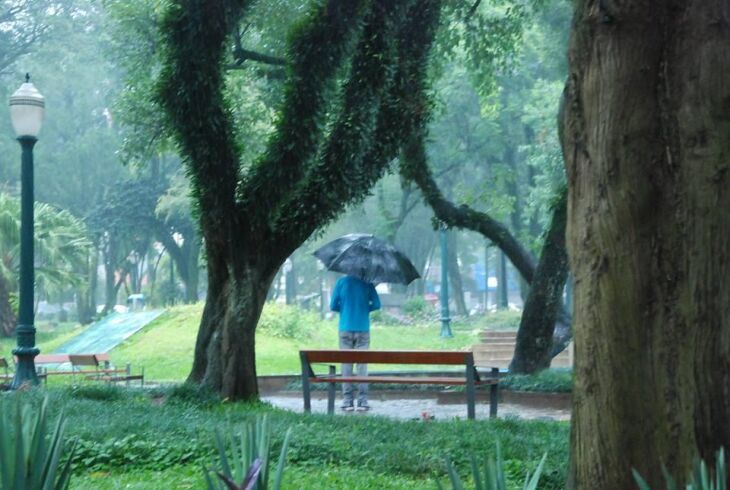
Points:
[[367, 257]]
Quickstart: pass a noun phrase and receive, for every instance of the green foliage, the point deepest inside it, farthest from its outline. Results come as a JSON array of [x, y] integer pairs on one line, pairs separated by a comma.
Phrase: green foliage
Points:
[[700, 479], [287, 322], [418, 308], [242, 449], [30, 455], [548, 381], [96, 391], [141, 432], [61, 246], [135, 451], [492, 476], [191, 394]]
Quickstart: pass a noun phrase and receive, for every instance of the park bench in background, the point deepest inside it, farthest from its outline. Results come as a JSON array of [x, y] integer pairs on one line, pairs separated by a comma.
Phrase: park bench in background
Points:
[[91, 366], [470, 379], [7, 375]]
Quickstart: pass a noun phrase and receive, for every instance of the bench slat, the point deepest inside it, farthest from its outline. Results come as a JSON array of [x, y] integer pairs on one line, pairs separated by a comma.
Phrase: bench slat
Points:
[[442, 380], [389, 357], [51, 358]]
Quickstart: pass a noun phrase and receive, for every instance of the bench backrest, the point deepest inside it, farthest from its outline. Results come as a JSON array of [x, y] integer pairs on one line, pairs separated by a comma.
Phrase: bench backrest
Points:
[[51, 358], [83, 360], [103, 357], [455, 358]]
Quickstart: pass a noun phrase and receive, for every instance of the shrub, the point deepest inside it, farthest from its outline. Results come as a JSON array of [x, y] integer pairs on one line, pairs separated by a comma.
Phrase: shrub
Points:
[[96, 391], [418, 308], [192, 395], [30, 456], [250, 455], [549, 380], [287, 322], [492, 476], [701, 478]]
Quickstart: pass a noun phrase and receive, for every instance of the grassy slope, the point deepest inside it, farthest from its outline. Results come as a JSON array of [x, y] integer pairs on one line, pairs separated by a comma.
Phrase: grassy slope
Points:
[[48, 337], [165, 347]]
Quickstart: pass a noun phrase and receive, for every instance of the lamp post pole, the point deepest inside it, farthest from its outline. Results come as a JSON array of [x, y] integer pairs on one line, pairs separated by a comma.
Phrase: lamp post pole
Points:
[[26, 113], [26, 349], [445, 320]]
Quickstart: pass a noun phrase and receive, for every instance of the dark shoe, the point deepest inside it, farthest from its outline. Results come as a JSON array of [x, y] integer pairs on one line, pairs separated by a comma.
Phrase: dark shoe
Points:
[[363, 406], [347, 406]]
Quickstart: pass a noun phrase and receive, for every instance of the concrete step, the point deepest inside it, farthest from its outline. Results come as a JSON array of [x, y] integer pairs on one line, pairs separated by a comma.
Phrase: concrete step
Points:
[[497, 334], [507, 349], [497, 342]]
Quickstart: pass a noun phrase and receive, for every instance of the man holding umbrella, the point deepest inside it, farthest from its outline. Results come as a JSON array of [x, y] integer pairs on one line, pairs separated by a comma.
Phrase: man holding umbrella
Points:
[[367, 261], [354, 299]]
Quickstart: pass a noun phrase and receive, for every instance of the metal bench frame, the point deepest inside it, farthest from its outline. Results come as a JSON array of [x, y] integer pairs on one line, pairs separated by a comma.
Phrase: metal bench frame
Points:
[[470, 379]]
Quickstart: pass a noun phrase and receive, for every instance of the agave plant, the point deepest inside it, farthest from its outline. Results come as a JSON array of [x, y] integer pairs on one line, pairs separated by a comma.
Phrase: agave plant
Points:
[[701, 478], [491, 476], [30, 457], [244, 456]]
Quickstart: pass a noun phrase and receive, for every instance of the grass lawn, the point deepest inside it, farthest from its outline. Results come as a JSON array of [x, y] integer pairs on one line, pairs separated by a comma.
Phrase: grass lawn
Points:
[[165, 347], [49, 336], [161, 438]]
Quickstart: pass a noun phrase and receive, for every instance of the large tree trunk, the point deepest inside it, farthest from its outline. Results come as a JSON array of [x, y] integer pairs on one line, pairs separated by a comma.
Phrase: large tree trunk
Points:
[[7, 316], [86, 294], [646, 129], [533, 351], [225, 354]]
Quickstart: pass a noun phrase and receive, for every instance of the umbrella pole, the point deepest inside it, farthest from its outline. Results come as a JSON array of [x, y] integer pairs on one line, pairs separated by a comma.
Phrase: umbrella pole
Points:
[[445, 320]]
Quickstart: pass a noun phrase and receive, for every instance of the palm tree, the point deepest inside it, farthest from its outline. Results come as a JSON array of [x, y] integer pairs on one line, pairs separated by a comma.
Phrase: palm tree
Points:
[[61, 249]]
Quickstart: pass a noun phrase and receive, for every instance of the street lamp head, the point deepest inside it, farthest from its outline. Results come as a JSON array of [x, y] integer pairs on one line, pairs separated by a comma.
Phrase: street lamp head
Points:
[[26, 110]]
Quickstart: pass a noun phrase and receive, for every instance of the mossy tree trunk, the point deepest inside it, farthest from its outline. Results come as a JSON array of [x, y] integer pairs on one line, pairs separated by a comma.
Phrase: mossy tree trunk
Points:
[[534, 347], [252, 222], [544, 301], [647, 150]]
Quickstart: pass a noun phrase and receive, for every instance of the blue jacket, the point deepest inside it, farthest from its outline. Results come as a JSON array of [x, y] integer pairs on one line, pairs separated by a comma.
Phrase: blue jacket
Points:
[[354, 299]]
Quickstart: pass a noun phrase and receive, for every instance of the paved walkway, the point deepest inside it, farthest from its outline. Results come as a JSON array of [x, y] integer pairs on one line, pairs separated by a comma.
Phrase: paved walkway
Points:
[[409, 409]]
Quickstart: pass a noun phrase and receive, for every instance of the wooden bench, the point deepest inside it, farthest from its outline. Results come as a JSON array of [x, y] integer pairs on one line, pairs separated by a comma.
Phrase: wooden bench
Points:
[[8, 376], [91, 366], [470, 379], [101, 370]]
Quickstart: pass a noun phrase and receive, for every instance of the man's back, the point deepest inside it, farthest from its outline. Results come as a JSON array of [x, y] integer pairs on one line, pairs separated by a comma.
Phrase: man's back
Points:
[[354, 299]]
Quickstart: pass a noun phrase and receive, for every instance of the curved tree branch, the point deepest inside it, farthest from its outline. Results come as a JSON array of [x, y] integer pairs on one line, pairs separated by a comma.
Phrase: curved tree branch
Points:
[[414, 166]]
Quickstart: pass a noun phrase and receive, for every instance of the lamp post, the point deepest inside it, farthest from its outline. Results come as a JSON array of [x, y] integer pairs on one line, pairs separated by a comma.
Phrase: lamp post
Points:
[[26, 113], [445, 320], [320, 271]]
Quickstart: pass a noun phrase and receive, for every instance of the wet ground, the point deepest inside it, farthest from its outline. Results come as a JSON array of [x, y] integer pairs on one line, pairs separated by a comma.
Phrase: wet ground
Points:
[[411, 408]]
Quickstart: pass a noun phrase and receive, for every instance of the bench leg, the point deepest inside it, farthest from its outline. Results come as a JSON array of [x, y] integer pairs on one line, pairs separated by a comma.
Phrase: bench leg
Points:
[[305, 384], [494, 395], [331, 393], [470, 411]]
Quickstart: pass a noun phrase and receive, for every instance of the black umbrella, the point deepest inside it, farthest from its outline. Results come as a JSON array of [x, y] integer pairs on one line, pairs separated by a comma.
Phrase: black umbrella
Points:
[[367, 257]]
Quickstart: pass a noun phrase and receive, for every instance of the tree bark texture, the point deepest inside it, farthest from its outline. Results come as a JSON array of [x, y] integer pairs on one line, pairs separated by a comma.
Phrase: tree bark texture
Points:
[[533, 350], [225, 349], [647, 148]]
